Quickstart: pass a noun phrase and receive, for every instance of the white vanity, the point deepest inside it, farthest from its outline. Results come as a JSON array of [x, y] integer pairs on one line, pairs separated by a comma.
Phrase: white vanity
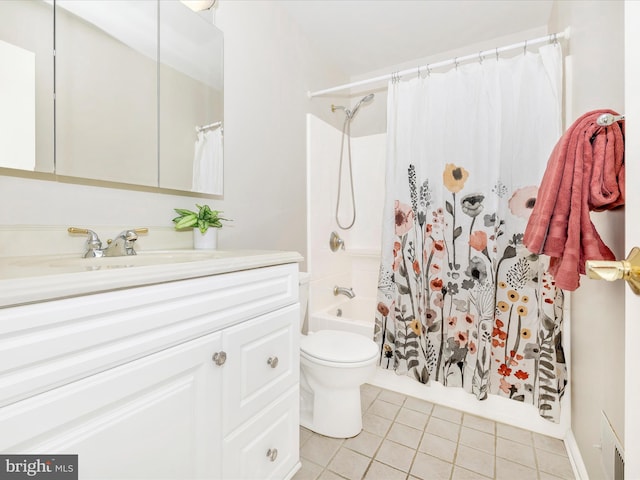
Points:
[[168, 369]]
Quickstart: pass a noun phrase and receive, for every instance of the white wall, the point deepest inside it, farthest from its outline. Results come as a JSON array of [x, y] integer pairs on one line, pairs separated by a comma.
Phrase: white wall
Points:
[[269, 67], [596, 50]]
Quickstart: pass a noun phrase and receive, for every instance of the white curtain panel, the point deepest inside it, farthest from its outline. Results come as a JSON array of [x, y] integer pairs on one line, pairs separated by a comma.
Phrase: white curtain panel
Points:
[[460, 300]]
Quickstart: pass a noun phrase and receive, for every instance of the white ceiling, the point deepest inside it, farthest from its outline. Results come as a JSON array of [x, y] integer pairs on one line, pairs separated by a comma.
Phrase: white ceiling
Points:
[[362, 36]]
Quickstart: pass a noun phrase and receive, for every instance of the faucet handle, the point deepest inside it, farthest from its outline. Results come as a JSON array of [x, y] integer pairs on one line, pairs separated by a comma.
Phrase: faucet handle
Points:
[[93, 241], [130, 234]]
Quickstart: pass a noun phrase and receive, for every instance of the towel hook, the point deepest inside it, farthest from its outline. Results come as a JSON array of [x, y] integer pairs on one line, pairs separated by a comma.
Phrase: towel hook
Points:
[[607, 119]]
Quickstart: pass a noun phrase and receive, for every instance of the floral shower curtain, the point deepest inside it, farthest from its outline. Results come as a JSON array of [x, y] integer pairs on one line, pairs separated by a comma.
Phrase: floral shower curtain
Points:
[[460, 300]]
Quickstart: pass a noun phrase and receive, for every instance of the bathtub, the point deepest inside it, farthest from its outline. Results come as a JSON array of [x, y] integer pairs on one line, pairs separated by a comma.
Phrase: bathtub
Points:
[[355, 315]]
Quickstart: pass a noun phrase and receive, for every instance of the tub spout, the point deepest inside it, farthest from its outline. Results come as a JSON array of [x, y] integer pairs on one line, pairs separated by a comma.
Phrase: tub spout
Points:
[[343, 291]]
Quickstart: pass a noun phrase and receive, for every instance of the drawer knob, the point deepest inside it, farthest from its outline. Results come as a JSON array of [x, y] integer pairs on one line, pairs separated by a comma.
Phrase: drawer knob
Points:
[[219, 358], [273, 361], [272, 454]]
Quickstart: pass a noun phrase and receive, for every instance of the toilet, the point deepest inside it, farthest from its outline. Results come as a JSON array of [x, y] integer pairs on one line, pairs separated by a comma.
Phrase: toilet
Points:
[[333, 366]]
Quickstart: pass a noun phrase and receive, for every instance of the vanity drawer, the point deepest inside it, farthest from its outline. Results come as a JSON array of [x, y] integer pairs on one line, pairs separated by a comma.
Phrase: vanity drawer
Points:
[[262, 361], [266, 447]]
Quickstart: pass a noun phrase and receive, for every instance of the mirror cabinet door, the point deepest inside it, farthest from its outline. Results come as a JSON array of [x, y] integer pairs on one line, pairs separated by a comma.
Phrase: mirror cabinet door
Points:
[[191, 100], [106, 90], [26, 85], [138, 92]]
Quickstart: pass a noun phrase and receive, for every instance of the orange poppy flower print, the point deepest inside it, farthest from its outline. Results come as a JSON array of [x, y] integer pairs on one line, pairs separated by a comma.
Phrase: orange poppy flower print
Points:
[[454, 177], [478, 240]]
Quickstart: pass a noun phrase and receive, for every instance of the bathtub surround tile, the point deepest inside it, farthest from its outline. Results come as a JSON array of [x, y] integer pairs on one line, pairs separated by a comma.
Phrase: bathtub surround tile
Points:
[[422, 441]]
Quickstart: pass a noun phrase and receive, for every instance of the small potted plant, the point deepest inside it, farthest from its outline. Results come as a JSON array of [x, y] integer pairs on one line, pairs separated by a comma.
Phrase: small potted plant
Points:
[[204, 223]]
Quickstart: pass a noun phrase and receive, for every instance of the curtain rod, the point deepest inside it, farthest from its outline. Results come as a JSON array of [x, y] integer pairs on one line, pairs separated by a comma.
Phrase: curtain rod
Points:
[[552, 37]]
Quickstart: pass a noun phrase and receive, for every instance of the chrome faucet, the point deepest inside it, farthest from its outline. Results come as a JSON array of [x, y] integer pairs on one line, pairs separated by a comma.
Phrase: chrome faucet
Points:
[[343, 291], [122, 245]]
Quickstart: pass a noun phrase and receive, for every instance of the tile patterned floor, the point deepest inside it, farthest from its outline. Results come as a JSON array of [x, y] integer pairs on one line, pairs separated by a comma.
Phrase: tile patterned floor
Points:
[[407, 438]]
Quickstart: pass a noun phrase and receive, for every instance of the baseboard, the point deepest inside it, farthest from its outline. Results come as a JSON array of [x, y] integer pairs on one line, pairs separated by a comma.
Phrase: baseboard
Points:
[[575, 457]]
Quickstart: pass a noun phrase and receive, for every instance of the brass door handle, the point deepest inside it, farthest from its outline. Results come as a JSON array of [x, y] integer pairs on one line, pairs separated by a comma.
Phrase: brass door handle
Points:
[[628, 270]]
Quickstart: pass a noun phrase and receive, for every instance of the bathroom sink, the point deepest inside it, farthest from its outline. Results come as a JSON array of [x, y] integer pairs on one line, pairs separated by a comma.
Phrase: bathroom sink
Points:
[[157, 257], [30, 278]]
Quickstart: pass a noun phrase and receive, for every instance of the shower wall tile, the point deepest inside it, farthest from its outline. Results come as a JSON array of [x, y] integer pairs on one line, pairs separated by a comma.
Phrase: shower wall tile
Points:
[[368, 158], [368, 155], [323, 161]]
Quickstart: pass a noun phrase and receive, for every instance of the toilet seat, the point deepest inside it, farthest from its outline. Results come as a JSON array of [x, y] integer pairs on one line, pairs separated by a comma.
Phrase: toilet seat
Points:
[[338, 347]]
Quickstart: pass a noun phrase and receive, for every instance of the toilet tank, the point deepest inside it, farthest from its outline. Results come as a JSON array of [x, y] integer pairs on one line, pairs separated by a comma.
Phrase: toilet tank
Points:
[[303, 285]]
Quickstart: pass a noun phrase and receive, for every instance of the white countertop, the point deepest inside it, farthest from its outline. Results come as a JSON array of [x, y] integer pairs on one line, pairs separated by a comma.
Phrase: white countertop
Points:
[[47, 277]]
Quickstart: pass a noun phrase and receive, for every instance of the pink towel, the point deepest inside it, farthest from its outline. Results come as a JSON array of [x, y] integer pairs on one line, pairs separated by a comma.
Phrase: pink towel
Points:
[[585, 172]]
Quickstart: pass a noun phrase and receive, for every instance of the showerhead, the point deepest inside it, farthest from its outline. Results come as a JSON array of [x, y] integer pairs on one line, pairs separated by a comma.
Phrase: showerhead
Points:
[[351, 113], [368, 98]]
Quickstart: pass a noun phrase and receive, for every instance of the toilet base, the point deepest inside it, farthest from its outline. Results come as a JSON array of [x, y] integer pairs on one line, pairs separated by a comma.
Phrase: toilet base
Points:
[[336, 413]]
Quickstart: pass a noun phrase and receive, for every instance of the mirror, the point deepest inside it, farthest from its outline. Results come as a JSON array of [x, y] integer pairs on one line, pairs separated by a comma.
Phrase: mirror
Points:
[[135, 80], [26, 85], [107, 90], [191, 101]]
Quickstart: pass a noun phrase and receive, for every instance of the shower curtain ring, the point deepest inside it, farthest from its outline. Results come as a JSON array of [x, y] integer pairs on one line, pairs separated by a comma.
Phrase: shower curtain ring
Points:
[[456, 62], [525, 47], [480, 58], [497, 56], [428, 70], [555, 39]]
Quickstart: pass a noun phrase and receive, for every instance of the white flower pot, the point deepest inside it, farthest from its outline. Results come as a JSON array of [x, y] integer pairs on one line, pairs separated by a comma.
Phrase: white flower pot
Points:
[[205, 241]]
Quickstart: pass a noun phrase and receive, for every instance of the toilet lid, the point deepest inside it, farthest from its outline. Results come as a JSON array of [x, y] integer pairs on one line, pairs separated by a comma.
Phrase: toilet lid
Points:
[[338, 346]]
